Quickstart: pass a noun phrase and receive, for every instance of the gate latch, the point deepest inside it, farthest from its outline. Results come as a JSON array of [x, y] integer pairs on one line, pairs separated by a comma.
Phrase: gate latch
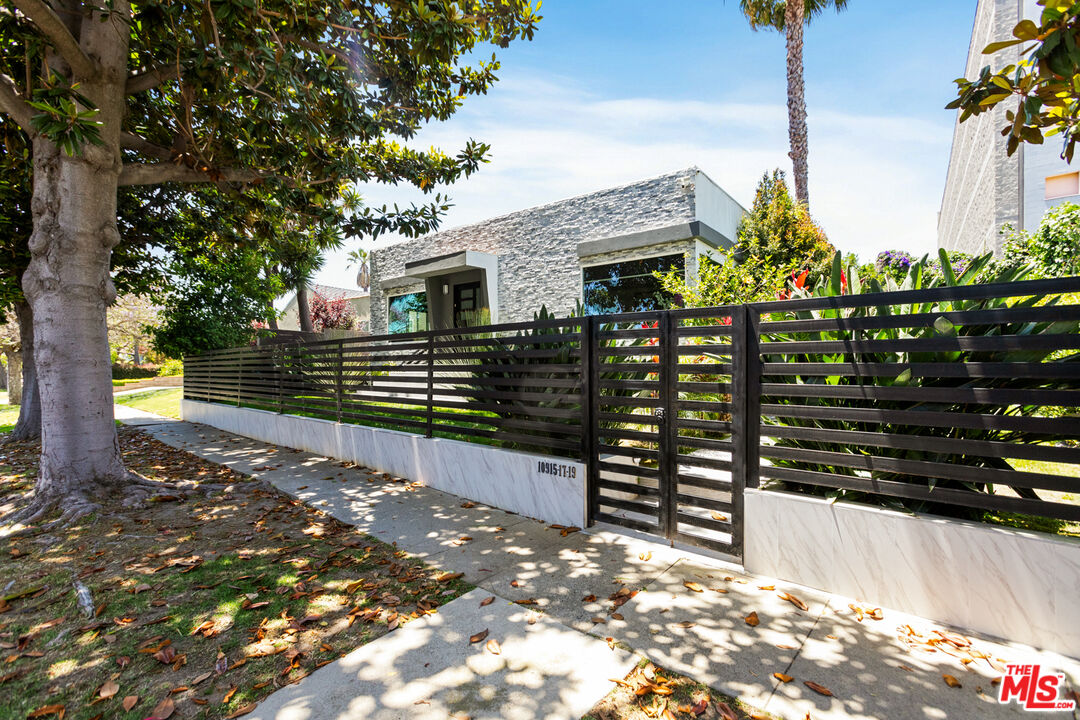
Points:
[[658, 413]]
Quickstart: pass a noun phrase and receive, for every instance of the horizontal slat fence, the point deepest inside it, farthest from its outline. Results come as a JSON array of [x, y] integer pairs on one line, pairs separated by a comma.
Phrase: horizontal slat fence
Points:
[[514, 385], [941, 400], [952, 400]]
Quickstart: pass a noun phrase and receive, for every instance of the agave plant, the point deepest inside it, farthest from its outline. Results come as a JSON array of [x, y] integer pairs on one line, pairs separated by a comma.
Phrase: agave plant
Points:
[[841, 281]]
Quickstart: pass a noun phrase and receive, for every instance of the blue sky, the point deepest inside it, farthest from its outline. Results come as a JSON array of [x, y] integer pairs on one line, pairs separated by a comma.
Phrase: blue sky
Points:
[[612, 91]]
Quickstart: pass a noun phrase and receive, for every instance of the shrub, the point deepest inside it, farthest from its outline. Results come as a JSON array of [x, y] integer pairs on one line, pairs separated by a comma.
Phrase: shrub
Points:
[[171, 368], [328, 314], [1053, 248], [133, 372]]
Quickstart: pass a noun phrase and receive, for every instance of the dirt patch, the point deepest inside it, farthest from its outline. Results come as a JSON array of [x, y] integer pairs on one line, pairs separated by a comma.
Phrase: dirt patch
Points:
[[650, 692], [199, 606]]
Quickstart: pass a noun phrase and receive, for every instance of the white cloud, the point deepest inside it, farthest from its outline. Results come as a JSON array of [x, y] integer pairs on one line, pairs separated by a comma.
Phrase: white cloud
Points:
[[875, 181]]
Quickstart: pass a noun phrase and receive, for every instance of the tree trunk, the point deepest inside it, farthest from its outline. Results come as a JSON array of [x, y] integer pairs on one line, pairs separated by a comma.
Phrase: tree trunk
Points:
[[135, 359], [68, 286], [15, 376], [302, 308], [272, 322], [28, 426], [794, 20]]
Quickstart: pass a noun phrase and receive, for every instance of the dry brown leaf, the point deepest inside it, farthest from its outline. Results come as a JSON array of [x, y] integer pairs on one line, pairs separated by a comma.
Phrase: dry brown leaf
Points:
[[493, 647], [782, 677], [617, 616], [693, 586], [752, 619], [487, 601], [240, 711], [819, 689], [725, 711], [448, 576], [46, 710], [686, 624], [478, 637], [951, 681], [794, 601], [109, 689], [589, 598], [645, 556], [164, 709], [597, 620], [700, 706], [129, 702], [228, 696], [766, 587]]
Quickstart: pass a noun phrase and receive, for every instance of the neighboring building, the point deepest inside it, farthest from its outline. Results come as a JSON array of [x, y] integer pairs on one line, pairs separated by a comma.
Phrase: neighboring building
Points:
[[598, 249], [986, 188], [358, 298]]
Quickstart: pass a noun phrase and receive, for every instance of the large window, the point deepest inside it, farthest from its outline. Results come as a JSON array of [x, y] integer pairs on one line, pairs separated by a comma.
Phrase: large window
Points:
[[628, 286], [407, 313]]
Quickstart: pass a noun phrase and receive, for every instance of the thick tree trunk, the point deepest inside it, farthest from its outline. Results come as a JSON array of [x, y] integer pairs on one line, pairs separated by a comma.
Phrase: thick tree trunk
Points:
[[794, 20], [28, 426], [302, 308], [14, 376], [68, 286], [135, 358]]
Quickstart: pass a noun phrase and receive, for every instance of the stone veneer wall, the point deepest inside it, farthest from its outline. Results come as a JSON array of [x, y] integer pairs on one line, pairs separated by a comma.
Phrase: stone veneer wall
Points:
[[537, 247], [982, 187]]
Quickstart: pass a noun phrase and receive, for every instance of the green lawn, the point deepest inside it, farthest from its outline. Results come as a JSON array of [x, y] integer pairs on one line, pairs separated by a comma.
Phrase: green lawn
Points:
[[160, 402], [9, 414]]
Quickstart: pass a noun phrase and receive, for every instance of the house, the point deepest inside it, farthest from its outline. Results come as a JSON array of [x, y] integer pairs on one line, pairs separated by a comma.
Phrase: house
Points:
[[985, 188], [359, 299], [599, 249]]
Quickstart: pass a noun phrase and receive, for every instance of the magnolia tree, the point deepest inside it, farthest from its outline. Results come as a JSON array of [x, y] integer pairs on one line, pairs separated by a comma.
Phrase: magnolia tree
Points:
[[288, 97], [129, 319]]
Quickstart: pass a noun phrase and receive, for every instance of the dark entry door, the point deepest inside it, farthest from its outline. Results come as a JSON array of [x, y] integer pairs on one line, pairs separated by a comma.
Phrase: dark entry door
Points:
[[668, 425], [466, 304]]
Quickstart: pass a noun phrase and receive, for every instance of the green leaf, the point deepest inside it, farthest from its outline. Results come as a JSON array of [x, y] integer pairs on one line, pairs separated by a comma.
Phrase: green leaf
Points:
[[1026, 30], [995, 47], [835, 282]]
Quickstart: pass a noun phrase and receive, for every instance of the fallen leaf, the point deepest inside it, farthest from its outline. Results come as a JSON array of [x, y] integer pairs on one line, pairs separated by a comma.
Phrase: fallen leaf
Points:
[[819, 689], [617, 616], [794, 601], [951, 681], [46, 710], [686, 624], [448, 576], [597, 620], [165, 655], [163, 710], [693, 586], [241, 711], [129, 702], [478, 637], [487, 601], [782, 677], [468, 504], [725, 711], [700, 706], [589, 598], [752, 619], [493, 647], [228, 696], [109, 689], [645, 556], [766, 587]]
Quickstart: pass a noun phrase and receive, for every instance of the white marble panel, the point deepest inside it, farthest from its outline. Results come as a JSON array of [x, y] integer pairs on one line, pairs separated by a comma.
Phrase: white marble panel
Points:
[[1008, 583], [549, 489]]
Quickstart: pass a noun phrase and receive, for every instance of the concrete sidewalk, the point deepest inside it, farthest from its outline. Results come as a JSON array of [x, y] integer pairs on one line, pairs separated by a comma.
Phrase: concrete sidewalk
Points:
[[559, 665]]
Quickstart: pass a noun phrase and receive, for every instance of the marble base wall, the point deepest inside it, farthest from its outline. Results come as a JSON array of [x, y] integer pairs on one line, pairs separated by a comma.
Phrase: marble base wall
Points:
[[545, 488], [1017, 585]]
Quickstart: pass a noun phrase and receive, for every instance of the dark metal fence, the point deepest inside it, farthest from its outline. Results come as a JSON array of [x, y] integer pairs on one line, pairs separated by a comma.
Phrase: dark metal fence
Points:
[[515, 385], [956, 400]]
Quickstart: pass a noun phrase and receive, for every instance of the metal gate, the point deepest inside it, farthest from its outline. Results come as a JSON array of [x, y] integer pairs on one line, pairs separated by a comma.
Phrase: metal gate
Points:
[[667, 431]]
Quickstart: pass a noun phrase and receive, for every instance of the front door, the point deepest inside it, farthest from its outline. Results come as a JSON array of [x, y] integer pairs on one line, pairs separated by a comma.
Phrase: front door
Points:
[[466, 304]]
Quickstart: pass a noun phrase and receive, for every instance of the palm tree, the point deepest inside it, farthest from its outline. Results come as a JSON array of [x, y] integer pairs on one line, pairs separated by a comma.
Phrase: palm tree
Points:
[[789, 18]]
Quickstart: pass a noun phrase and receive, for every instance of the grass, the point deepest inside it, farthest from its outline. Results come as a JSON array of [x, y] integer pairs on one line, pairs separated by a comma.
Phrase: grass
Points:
[[9, 415], [160, 402], [651, 692], [210, 603], [129, 381]]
